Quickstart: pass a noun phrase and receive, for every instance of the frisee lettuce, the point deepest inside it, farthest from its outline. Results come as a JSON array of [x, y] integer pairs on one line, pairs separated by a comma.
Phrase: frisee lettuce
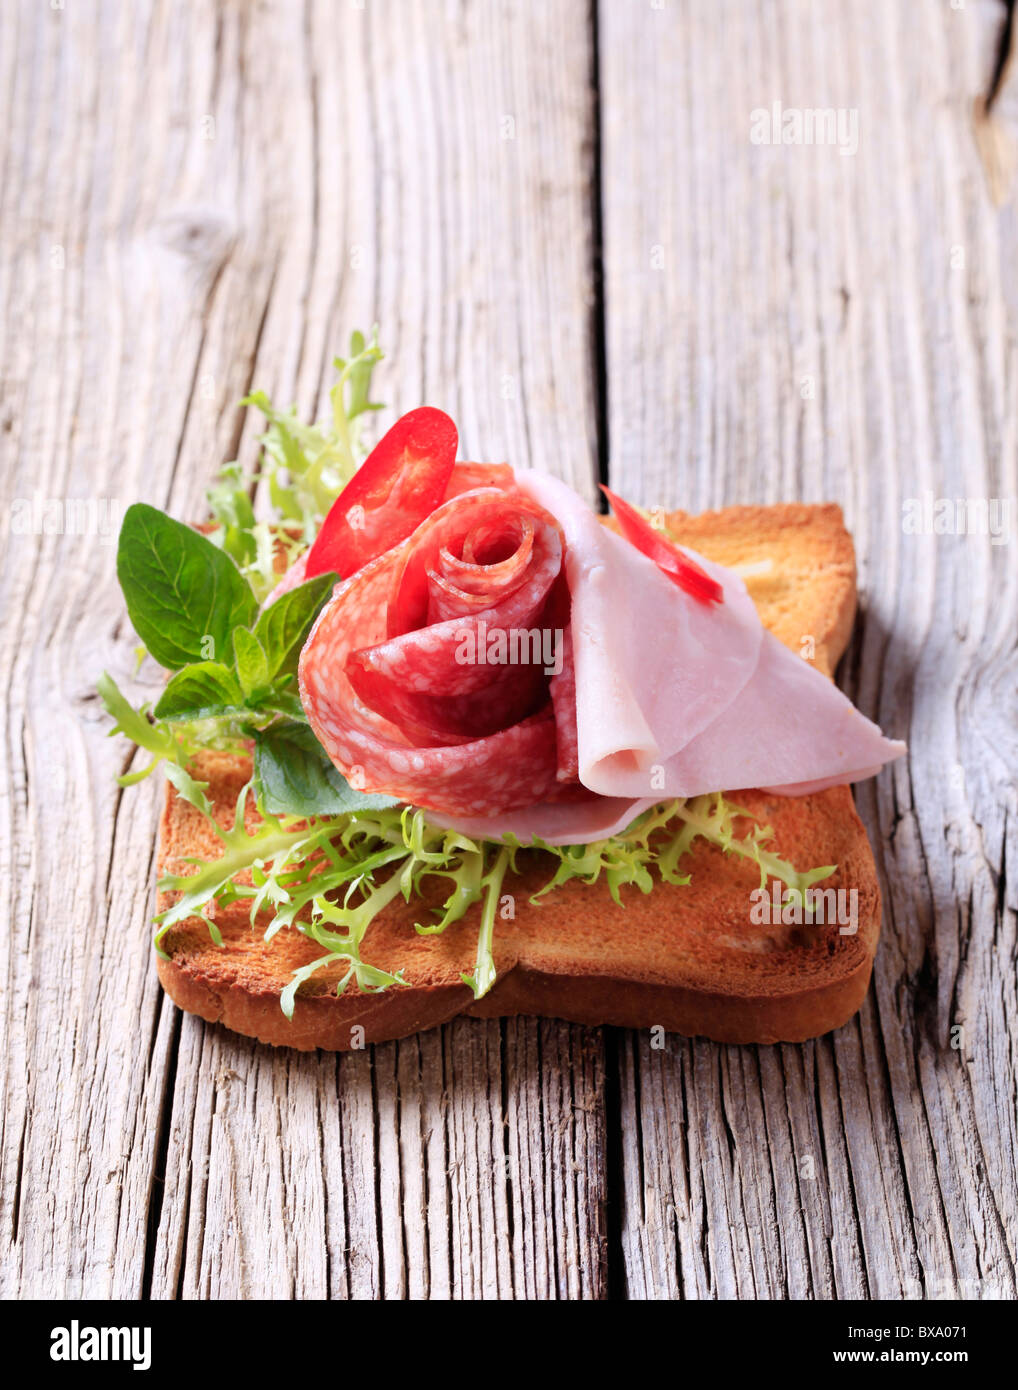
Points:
[[371, 857], [304, 468], [319, 856]]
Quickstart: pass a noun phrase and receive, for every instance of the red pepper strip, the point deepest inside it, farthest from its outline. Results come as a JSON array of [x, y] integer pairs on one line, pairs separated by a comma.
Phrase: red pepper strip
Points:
[[679, 568], [398, 485]]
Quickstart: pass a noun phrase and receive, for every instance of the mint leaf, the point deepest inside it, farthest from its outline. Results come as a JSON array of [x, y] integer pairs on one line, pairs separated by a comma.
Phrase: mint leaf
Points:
[[293, 776], [283, 702], [199, 691], [250, 660], [283, 627], [184, 595]]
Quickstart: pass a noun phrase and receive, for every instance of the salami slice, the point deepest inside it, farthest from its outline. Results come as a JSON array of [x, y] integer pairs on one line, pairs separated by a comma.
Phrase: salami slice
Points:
[[473, 581], [384, 691], [456, 528], [467, 476], [451, 657], [428, 719]]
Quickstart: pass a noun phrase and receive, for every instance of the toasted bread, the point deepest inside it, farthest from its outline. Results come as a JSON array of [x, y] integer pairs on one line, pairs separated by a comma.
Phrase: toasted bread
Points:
[[689, 959]]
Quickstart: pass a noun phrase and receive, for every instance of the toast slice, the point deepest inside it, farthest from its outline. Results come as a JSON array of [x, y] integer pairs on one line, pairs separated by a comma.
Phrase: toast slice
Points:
[[687, 959]]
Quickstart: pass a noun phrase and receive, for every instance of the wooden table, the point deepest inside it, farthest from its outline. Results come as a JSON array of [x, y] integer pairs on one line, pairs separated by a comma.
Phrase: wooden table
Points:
[[570, 241]]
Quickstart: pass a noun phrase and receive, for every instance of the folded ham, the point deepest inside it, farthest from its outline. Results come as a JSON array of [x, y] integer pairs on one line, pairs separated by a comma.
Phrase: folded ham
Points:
[[676, 697]]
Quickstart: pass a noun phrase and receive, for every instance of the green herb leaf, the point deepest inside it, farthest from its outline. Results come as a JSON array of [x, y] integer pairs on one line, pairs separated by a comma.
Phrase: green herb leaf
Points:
[[285, 702], [199, 691], [184, 596], [293, 776], [230, 504], [250, 660], [283, 627], [318, 459], [369, 978]]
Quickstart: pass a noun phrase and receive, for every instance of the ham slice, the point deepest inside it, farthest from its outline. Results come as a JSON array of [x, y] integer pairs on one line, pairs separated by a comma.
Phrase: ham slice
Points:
[[675, 697], [654, 667], [554, 822]]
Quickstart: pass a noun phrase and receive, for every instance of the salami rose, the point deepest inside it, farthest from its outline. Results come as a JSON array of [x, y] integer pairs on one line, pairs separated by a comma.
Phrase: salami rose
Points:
[[432, 675]]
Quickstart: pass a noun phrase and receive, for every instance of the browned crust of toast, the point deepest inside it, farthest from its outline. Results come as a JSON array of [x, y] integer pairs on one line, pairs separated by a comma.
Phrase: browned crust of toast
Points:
[[686, 959]]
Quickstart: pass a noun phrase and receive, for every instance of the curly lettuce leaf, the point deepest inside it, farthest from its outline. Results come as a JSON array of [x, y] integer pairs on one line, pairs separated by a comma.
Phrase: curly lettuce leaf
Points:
[[344, 869], [304, 468], [135, 725]]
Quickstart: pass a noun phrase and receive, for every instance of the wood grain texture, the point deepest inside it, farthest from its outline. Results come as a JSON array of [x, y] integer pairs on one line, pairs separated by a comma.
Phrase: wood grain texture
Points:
[[196, 198], [788, 321]]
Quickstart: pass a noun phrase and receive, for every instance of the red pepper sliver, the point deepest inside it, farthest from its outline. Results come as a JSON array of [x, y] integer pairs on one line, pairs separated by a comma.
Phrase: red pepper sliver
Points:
[[398, 485], [679, 568]]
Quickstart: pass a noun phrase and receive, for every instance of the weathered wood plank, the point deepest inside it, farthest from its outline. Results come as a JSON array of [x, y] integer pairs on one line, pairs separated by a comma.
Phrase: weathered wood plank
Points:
[[85, 1062], [791, 322], [250, 183], [195, 197]]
